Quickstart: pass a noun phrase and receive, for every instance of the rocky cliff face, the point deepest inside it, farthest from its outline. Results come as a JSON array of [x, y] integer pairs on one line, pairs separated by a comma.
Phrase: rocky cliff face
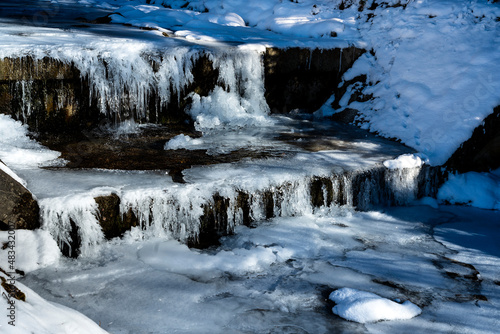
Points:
[[18, 208]]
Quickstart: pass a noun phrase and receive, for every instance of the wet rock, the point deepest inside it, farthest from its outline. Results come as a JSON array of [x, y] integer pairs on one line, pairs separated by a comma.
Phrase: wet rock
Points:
[[213, 223], [73, 248], [17, 205], [346, 116], [113, 223], [304, 79], [47, 94], [481, 152]]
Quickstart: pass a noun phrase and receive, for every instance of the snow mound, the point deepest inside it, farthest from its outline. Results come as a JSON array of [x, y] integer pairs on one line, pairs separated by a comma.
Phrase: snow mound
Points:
[[18, 150], [404, 161], [39, 250], [182, 141], [362, 307], [36, 315], [481, 190]]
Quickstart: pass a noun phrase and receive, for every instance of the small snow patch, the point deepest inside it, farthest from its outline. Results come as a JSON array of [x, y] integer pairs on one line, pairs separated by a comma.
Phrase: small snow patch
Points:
[[362, 307], [405, 161], [182, 141]]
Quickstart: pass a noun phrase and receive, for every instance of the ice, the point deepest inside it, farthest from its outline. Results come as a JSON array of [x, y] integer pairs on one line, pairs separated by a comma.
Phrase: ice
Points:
[[277, 276], [17, 150], [239, 98], [361, 306], [59, 214], [481, 190], [182, 141]]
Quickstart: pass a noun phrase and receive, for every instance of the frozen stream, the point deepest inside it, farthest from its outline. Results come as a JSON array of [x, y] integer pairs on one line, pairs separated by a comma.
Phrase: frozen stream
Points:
[[276, 278], [286, 189]]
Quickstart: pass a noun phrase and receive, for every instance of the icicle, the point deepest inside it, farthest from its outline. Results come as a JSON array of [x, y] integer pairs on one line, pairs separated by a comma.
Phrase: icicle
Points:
[[340, 61]]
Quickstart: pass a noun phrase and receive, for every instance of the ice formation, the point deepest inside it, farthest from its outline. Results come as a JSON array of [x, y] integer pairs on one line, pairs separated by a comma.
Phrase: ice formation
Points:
[[361, 306]]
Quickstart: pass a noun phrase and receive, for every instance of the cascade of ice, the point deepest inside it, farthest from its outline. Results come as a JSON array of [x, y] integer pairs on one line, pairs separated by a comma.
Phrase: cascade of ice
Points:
[[180, 211], [238, 99], [72, 220], [127, 81]]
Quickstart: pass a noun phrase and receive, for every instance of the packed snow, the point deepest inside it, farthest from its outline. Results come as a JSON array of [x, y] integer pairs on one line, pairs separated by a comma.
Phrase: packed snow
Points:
[[404, 161], [361, 306]]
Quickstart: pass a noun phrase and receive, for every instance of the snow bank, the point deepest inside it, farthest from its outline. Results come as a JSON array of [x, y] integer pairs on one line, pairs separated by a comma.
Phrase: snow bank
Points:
[[362, 307], [36, 315], [481, 190], [37, 249], [208, 20]]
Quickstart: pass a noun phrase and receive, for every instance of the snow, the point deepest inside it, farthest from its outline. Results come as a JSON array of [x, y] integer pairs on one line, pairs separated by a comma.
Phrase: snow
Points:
[[404, 161], [182, 141], [432, 78], [361, 306], [36, 315], [39, 250], [17, 150], [481, 190]]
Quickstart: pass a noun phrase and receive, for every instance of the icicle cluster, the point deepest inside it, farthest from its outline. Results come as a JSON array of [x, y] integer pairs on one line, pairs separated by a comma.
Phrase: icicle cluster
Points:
[[124, 80], [176, 211]]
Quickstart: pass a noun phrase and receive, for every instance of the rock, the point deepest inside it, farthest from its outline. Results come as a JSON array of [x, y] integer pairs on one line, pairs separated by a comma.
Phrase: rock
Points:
[[112, 222], [347, 116], [17, 204], [480, 153], [213, 223], [298, 78]]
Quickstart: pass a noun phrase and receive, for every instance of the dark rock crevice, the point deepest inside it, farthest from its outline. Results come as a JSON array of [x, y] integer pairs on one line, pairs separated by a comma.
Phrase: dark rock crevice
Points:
[[481, 152], [304, 79]]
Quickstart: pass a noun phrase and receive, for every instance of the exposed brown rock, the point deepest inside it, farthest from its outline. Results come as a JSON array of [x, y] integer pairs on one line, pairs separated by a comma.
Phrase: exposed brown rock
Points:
[[304, 79], [17, 205], [112, 223]]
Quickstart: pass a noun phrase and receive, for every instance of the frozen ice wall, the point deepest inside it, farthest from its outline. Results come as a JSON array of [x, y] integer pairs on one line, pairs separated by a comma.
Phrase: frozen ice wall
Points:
[[185, 211], [133, 80]]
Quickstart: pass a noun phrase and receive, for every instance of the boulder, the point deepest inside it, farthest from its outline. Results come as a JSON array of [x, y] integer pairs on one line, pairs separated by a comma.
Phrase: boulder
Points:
[[17, 204]]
